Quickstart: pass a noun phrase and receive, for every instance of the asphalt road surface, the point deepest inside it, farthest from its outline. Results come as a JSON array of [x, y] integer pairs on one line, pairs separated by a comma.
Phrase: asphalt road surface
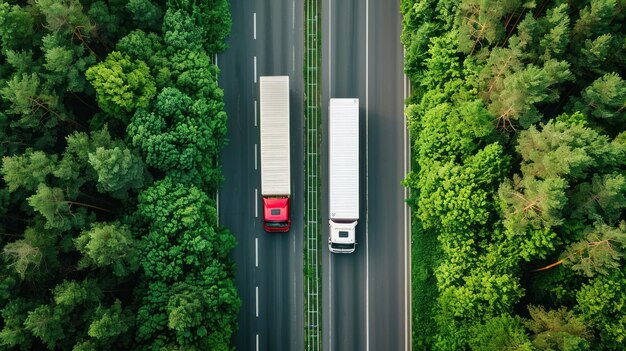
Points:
[[366, 300], [266, 39]]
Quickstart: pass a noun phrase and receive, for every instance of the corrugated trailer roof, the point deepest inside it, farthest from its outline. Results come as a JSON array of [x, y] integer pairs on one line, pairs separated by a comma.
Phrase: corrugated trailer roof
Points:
[[343, 159], [274, 119]]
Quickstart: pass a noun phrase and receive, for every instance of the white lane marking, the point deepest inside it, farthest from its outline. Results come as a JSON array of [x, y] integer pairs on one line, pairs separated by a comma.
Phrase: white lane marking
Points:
[[256, 201], [256, 157], [255, 26], [330, 39], [407, 226], [257, 300], [293, 14], [255, 68], [257, 342], [255, 113], [367, 216], [256, 252], [330, 301]]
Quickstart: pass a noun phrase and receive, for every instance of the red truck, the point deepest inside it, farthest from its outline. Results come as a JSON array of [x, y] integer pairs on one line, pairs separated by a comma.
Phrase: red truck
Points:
[[275, 160]]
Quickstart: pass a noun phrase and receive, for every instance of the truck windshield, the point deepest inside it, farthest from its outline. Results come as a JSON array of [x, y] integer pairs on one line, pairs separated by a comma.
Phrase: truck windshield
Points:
[[342, 246]]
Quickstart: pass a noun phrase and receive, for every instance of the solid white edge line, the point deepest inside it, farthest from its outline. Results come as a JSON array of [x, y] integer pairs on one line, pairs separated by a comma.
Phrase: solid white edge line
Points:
[[255, 26], [257, 300], [256, 252], [256, 157], [406, 237], [256, 203], [367, 260], [255, 68], [255, 113]]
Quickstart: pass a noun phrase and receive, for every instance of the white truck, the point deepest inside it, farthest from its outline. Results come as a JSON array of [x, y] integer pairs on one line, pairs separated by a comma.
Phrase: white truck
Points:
[[343, 169], [275, 148]]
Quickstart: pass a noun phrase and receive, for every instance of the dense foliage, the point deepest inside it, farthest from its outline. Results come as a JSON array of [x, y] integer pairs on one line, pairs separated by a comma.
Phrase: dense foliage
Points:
[[517, 120], [111, 125]]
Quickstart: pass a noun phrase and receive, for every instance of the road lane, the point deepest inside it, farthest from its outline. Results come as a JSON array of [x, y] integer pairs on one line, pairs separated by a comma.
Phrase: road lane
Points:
[[367, 304], [265, 40], [344, 276], [389, 315]]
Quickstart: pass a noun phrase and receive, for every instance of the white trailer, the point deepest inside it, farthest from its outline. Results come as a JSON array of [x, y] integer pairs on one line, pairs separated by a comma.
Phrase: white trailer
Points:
[[343, 177], [275, 150]]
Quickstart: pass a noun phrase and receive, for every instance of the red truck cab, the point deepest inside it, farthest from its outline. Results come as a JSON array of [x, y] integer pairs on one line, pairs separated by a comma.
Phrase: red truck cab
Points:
[[276, 214]]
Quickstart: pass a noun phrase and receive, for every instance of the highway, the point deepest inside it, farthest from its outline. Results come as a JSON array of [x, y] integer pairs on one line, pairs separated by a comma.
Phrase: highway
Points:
[[366, 300], [266, 39]]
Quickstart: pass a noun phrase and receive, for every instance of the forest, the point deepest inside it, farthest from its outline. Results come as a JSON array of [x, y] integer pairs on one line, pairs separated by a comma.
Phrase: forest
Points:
[[111, 126], [518, 185]]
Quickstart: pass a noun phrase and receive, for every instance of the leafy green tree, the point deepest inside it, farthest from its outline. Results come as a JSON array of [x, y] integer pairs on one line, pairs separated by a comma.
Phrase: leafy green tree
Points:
[[480, 22], [122, 84], [557, 329], [16, 27], [108, 18], [600, 303], [532, 202], [67, 18], [145, 13], [27, 170], [118, 170], [605, 98], [180, 31], [186, 262], [36, 105], [45, 323], [181, 137], [110, 322], [504, 332], [598, 252], [212, 17], [53, 205], [603, 198], [109, 245], [14, 334], [65, 64], [561, 150], [523, 90]]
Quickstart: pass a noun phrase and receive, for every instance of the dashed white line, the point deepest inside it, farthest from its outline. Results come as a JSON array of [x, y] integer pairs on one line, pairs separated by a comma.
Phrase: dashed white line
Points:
[[330, 38], [256, 252], [257, 342], [255, 113], [255, 68], [256, 157], [255, 26], [330, 302], [256, 202], [257, 301], [293, 14]]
